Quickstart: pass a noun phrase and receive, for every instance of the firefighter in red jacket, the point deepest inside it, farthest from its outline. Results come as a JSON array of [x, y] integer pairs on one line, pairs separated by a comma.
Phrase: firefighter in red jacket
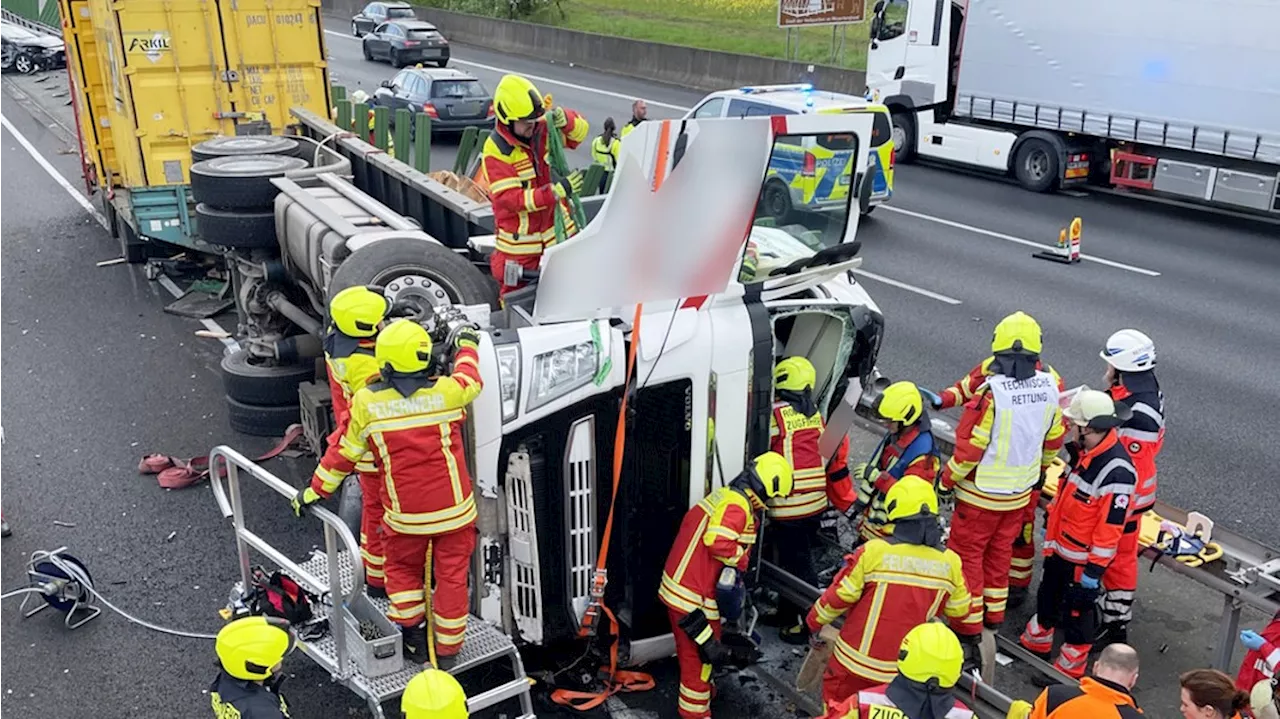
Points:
[[525, 196], [1010, 431], [357, 314], [795, 428], [711, 550], [1262, 662], [887, 587], [1131, 358], [929, 663], [412, 423], [907, 450], [1082, 530]]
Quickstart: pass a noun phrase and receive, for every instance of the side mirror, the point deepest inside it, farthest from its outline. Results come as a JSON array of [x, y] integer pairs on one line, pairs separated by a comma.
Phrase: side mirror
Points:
[[385, 83], [874, 30], [879, 8]]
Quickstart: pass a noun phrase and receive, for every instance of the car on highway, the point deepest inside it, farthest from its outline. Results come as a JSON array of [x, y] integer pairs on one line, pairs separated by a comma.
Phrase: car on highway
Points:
[[811, 177], [453, 99], [28, 51], [406, 42], [376, 13]]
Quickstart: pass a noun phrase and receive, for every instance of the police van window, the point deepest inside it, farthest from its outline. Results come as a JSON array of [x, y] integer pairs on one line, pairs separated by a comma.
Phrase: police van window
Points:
[[710, 108], [881, 129], [837, 142], [747, 108], [894, 21]]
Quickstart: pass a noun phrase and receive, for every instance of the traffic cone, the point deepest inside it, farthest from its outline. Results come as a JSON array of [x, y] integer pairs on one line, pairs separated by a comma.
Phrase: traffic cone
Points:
[[1076, 228], [1067, 250]]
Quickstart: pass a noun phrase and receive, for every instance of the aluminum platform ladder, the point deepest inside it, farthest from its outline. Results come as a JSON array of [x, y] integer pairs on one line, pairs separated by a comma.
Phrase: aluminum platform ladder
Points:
[[338, 572]]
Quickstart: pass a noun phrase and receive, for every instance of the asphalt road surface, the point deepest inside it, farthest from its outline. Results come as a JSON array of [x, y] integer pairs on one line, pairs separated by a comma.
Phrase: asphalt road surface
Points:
[[99, 376]]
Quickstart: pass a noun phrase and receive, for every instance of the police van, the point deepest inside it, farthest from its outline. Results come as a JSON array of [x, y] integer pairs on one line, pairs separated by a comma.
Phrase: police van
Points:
[[811, 177]]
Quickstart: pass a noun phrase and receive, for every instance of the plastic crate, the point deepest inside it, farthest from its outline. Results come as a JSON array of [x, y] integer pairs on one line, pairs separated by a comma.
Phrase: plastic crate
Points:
[[373, 657]]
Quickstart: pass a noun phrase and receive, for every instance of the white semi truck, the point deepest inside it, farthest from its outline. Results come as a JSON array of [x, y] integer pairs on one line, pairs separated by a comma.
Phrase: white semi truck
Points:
[[1170, 97]]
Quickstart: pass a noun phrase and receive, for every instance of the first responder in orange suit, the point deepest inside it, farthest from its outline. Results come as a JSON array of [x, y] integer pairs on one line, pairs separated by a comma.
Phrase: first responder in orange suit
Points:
[[412, 422], [1105, 695], [1009, 432], [1131, 359], [907, 449], [795, 428], [888, 586], [1024, 548], [929, 662], [1082, 531], [357, 313], [715, 539], [525, 196]]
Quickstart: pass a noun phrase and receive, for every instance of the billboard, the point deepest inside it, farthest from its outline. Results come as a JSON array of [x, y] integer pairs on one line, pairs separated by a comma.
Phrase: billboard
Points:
[[804, 13]]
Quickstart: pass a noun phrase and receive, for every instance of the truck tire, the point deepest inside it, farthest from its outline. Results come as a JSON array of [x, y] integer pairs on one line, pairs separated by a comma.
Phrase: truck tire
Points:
[[244, 145], [452, 279], [904, 137], [237, 228], [262, 384], [262, 421], [241, 182], [1035, 164]]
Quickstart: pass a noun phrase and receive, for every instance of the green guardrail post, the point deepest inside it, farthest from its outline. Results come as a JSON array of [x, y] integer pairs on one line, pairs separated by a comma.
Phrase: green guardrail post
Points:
[[360, 120], [608, 182], [591, 179], [339, 92], [465, 146], [404, 126], [422, 142], [344, 114], [382, 127]]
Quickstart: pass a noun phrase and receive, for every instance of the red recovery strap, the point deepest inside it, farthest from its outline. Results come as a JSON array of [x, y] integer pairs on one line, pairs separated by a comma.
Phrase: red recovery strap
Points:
[[615, 681], [174, 473]]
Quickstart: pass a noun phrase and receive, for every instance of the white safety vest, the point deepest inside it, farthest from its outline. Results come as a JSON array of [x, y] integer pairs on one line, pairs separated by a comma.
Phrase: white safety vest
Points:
[[1024, 412]]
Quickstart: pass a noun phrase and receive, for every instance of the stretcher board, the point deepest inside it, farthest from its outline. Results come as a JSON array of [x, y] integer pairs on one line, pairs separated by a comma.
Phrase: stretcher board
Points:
[[1149, 533]]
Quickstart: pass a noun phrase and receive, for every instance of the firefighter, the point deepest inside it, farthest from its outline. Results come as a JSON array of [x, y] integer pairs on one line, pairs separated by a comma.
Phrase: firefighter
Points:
[[412, 422], [1082, 531], [357, 313], [888, 586], [434, 694], [1105, 695], [604, 152], [1131, 358], [907, 449], [711, 550], [929, 661], [251, 651], [639, 113], [1010, 431], [796, 425], [524, 195]]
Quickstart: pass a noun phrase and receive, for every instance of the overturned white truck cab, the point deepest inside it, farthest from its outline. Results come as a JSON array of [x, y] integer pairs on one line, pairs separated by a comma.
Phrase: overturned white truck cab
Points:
[[722, 295]]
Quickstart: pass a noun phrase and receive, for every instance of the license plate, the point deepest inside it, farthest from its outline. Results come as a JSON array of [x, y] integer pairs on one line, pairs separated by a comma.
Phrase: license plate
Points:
[[467, 108]]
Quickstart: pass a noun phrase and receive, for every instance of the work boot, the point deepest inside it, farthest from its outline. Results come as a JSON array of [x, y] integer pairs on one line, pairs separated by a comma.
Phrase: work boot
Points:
[[1113, 633], [415, 643], [375, 592], [445, 662], [972, 647], [1017, 595]]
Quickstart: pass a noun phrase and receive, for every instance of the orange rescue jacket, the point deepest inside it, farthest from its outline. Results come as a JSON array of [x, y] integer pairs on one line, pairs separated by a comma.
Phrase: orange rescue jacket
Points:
[[1088, 514]]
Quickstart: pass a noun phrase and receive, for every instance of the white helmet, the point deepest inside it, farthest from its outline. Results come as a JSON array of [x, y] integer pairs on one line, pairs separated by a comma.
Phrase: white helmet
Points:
[[1129, 351], [1096, 410]]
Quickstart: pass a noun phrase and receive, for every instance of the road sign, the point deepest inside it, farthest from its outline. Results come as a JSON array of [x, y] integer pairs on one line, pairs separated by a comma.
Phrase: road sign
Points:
[[802, 13]]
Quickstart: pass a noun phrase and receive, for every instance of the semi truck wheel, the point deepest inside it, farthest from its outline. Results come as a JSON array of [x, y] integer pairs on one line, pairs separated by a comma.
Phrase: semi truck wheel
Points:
[[412, 269], [246, 229], [244, 145], [262, 384], [1035, 164], [240, 182], [262, 421], [904, 137]]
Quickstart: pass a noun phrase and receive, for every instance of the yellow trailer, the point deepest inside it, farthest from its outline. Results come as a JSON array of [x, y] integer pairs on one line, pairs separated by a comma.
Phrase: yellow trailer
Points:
[[155, 77]]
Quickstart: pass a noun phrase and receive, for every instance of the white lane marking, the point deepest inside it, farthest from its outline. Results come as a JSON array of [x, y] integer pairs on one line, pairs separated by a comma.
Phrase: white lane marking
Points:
[[97, 216], [53, 172], [536, 78], [907, 287], [1018, 240]]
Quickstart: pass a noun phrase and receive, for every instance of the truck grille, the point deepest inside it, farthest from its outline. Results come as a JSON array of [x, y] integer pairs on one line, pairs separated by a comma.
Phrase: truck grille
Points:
[[526, 595], [580, 476]]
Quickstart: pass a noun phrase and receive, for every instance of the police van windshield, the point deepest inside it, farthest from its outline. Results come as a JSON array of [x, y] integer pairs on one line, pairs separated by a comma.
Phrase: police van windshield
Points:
[[804, 201]]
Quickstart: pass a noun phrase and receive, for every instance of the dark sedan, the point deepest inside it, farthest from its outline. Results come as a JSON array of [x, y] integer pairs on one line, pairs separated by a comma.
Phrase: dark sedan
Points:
[[406, 42], [452, 99], [27, 51], [376, 13]]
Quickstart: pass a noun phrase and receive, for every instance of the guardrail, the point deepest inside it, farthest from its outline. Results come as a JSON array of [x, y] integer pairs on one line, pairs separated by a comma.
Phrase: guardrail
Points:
[[15, 18]]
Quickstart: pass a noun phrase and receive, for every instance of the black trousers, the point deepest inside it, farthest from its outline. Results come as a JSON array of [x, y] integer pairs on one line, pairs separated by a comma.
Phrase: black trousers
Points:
[[789, 545], [1063, 604]]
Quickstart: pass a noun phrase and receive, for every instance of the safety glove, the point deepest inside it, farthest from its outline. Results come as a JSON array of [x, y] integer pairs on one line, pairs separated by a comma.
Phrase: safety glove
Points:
[[1019, 709], [1089, 582], [935, 400], [570, 185], [1251, 639], [466, 336], [304, 498], [559, 118]]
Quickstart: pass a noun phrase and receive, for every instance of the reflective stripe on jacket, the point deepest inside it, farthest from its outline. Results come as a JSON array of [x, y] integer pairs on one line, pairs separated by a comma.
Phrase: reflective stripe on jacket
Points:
[[1093, 699], [1143, 434], [887, 588], [417, 447], [795, 436], [907, 453], [351, 366], [1088, 514], [873, 703], [717, 532], [520, 190]]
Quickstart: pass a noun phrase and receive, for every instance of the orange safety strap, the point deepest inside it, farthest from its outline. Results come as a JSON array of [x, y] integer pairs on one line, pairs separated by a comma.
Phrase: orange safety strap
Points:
[[615, 680]]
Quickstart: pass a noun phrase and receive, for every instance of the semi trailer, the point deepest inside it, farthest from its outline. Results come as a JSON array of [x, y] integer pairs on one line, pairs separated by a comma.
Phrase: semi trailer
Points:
[[1153, 97]]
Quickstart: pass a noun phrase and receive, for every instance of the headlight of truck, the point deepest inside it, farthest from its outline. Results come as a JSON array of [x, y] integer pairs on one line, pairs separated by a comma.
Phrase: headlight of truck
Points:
[[561, 371], [509, 379]]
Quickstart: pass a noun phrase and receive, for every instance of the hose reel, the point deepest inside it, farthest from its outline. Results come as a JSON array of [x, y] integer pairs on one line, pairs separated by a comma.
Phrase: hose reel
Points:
[[62, 582]]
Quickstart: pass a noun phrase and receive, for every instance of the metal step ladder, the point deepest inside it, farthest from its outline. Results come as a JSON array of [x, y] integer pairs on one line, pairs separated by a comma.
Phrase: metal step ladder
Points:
[[333, 573]]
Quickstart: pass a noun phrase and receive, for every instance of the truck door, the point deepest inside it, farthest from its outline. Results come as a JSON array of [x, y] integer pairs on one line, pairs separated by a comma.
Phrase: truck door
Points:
[[909, 51]]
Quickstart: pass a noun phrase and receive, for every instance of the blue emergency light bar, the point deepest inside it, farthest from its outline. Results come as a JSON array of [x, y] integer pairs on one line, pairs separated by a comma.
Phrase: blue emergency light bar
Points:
[[798, 87]]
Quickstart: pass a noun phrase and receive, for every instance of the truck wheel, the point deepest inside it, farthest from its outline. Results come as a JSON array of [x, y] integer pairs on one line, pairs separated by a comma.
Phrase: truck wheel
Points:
[[244, 145], [242, 182], [261, 384], [240, 228], [1035, 164], [775, 201], [261, 421], [904, 138], [412, 269]]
